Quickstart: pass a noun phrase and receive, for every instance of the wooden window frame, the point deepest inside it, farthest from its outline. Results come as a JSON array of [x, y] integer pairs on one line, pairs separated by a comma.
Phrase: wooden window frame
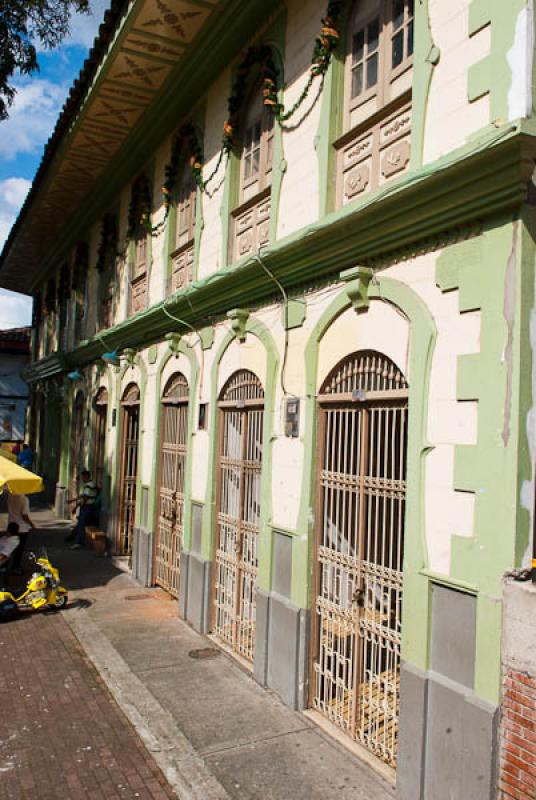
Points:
[[386, 73], [184, 239]]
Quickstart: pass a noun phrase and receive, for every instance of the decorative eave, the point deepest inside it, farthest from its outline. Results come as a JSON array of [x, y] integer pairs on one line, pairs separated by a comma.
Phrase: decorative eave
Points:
[[146, 70], [422, 211]]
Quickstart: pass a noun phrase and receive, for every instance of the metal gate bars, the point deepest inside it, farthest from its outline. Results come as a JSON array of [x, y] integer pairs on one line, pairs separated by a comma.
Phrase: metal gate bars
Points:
[[173, 446], [360, 540], [239, 487], [130, 404]]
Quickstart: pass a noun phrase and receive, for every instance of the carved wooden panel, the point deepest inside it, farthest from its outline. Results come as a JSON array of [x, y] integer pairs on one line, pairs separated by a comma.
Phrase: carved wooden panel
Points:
[[370, 157], [251, 227], [182, 268], [138, 294]]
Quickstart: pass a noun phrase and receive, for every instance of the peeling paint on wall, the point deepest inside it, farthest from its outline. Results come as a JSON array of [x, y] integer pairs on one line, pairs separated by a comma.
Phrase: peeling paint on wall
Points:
[[509, 315], [527, 488], [520, 58]]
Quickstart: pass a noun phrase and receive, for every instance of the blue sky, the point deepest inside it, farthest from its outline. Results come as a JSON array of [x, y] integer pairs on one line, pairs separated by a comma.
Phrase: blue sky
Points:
[[31, 121]]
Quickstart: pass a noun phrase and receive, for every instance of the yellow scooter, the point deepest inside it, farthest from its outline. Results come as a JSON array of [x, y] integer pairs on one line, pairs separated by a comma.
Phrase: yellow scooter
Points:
[[43, 590]]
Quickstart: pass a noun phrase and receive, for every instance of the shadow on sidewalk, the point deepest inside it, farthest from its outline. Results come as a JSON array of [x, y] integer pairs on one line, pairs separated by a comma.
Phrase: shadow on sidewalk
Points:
[[79, 569]]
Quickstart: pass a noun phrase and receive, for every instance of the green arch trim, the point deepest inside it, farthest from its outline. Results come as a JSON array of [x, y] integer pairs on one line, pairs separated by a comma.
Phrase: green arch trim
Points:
[[192, 394], [258, 329], [423, 336]]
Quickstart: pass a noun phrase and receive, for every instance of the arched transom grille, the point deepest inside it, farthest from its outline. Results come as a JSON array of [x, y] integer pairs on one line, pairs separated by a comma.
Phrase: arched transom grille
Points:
[[173, 454], [242, 385], [176, 389], [364, 371], [131, 395]]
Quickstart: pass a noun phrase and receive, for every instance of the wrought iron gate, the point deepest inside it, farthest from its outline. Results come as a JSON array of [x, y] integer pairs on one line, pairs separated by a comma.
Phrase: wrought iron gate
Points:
[[77, 432], [360, 543], [239, 494], [101, 412], [129, 467], [173, 444]]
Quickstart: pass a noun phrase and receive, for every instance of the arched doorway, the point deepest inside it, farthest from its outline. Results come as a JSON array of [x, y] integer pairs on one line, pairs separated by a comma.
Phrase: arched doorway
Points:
[[173, 447], [101, 413], [130, 425], [241, 420], [361, 488], [77, 432]]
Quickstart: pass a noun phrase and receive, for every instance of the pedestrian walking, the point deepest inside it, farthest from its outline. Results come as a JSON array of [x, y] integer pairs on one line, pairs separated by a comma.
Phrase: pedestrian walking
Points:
[[88, 505], [18, 511]]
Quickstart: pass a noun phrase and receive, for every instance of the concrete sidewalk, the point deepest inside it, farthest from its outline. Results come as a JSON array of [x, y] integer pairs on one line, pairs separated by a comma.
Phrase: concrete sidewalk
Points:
[[214, 732]]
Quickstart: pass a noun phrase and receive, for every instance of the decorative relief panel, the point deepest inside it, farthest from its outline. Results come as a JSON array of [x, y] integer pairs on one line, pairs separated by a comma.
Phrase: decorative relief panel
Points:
[[182, 268], [251, 227], [367, 159], [138, 294]]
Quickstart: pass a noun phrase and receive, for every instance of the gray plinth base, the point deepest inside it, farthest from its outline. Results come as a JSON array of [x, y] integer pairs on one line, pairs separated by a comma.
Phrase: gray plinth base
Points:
[[448, 736], [61, 509], [281, 647], [194, 591], [447, 742], [142, 556]]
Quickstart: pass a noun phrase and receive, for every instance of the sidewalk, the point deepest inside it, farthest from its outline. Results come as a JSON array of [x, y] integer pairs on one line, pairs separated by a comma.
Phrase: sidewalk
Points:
[[213, 731]]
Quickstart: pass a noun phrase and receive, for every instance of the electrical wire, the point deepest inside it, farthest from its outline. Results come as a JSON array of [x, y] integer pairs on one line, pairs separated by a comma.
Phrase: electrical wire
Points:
[[187, 325], [285, 301]]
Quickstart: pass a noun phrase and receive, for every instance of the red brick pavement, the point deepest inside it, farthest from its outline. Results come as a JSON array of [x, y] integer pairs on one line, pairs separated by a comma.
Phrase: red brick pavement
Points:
[[61, 732]]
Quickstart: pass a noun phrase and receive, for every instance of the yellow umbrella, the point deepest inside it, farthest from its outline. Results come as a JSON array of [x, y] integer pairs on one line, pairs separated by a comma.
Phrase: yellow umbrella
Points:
[[18, 479]]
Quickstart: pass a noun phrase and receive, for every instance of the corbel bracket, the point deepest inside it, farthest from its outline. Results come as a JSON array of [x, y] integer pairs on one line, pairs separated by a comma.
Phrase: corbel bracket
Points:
[[357, 282], [129, 354], [239, 318], [173, 340]]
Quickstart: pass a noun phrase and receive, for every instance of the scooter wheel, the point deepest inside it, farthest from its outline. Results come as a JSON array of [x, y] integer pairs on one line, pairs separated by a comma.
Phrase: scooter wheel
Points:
[[61, 601]]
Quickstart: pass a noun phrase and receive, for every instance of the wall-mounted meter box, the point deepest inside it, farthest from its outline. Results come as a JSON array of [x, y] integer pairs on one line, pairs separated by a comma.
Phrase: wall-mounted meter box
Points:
[[292, 417]]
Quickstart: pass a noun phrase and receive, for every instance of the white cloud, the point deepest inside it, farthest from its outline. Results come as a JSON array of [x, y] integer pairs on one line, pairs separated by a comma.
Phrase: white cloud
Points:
[[15, 309], [12, 194], [32, 117], [84, 27]]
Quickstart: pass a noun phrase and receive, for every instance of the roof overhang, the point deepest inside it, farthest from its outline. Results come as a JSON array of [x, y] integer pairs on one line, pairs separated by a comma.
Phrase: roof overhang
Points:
[[151, 63]]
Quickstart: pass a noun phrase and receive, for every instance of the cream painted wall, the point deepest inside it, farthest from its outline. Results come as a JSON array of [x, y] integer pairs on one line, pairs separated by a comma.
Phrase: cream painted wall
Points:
[[450, 117], [299, 196], [450, 422]]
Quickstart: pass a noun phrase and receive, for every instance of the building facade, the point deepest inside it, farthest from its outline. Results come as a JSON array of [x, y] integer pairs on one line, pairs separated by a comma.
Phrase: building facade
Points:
[[282, 256], [14, 359]]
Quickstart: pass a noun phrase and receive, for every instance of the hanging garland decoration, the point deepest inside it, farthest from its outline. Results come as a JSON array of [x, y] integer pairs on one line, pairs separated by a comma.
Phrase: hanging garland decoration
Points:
[[108, 242], [325, 44], [139, 210], [187, 142]]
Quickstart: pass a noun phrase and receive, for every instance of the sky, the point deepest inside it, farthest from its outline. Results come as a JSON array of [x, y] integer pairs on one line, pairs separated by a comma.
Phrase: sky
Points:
[[32, 118]]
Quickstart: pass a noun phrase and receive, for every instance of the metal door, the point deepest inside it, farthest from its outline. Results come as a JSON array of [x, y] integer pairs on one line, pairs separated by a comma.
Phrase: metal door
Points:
[[130, 407], [360, 542], [77, 431], [101, 411], [238, 521], [173, 444]]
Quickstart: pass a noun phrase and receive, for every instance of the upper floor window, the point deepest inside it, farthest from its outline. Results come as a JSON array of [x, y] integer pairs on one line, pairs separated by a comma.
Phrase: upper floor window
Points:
[[377, 117], [106, 268], [251, 219], [182, 257]]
